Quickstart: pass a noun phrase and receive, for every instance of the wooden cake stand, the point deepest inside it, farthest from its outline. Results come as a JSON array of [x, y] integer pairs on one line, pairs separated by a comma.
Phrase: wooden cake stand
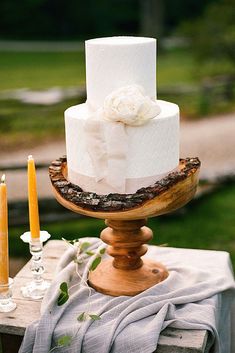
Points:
[[125, 215]]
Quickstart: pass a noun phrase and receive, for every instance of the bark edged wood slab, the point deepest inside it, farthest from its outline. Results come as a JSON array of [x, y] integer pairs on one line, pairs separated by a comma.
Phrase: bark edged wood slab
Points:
[[166, 195]]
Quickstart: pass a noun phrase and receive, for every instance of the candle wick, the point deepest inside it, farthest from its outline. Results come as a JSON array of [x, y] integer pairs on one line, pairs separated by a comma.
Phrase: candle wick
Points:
[[30, 157], [3, 179]]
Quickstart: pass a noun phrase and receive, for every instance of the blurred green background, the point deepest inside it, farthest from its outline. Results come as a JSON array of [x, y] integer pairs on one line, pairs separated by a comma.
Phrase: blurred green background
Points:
[[42, 55]]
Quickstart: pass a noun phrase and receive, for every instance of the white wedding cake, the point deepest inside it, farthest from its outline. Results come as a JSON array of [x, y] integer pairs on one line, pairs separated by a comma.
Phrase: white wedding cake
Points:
[[122, 138]]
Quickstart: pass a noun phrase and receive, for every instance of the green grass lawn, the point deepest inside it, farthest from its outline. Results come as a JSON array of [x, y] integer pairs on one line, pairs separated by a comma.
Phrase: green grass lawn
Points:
[[28, 125], [205, 224], [22, 123], [44, 70], [176, 67], [41, 70]]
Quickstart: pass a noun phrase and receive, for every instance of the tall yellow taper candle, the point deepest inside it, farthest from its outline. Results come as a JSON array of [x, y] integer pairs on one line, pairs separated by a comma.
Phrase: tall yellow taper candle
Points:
[[4, 256], [33, 200]]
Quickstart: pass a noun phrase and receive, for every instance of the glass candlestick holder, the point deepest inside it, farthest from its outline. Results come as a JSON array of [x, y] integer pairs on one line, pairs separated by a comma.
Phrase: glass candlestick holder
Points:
[[6, 302], [38, 286]]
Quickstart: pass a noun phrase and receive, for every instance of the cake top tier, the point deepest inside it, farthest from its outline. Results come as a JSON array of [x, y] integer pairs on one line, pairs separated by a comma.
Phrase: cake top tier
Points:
[[115, 62], [120, 40]]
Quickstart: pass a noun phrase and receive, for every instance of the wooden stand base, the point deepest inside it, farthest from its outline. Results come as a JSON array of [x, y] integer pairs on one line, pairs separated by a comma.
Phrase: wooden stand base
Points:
[[126, 274], [109, 280], [126, 234]]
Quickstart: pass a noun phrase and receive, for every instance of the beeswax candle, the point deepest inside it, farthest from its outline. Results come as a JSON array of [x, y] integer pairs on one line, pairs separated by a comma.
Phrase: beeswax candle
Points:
[[4, 255], [33, 200]]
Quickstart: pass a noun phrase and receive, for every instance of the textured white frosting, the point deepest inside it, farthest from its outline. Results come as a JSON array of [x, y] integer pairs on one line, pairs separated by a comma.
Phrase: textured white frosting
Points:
[[122, 138], [153, 149], [115, 62]]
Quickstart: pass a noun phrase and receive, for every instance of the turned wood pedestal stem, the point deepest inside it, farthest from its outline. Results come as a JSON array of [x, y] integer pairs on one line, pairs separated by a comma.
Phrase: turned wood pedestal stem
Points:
[[126, 239], [127, 273]]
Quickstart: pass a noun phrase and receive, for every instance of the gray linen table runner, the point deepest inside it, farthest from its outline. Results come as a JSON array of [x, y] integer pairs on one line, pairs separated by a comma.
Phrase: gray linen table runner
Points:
[[196, 295]]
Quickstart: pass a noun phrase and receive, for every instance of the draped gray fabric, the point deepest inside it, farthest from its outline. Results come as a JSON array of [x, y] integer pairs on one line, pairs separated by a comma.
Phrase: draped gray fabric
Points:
[[196, 295]]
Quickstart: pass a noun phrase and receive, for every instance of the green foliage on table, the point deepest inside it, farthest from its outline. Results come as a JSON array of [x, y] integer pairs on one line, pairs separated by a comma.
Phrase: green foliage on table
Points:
[[64, 341], [95, 263], [81, 317], [95, 317], [64, 294]]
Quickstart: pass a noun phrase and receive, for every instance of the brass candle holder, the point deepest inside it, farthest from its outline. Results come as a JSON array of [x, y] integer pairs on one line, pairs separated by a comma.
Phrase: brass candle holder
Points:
[[126, 215]]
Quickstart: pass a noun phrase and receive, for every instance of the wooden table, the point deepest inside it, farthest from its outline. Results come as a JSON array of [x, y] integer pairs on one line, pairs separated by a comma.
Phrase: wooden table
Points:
[[13, 325]]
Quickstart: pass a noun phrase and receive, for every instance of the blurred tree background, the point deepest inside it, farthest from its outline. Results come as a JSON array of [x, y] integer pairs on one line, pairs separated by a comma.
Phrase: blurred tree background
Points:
[[59, 19], [212, 37]]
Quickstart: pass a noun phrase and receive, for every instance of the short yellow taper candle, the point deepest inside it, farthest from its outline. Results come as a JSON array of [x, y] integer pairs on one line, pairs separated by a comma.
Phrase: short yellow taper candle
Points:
[[33, 200], [4, 255]]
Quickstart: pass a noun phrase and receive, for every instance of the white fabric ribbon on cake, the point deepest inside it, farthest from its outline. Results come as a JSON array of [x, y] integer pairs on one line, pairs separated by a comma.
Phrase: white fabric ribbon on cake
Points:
[[107, 144], [108, 150]]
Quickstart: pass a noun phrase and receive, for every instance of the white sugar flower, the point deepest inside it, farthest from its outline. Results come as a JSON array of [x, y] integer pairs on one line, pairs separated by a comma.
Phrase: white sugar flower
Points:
[[130, 106]]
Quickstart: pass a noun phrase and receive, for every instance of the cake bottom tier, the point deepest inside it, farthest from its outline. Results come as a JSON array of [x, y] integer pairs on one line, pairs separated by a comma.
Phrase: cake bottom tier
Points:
[[152, 150]]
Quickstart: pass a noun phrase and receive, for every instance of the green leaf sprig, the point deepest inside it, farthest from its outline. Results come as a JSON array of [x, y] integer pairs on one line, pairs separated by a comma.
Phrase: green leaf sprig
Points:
[[64, 294], [81, 248], [97, 260], [83, 316], [63, 341]]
